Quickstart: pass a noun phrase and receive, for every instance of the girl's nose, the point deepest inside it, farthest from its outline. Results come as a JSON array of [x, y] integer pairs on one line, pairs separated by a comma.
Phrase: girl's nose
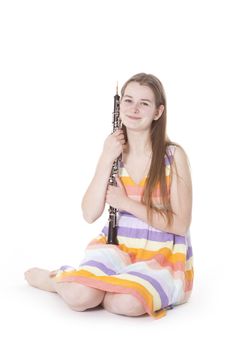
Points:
[[136, 108]]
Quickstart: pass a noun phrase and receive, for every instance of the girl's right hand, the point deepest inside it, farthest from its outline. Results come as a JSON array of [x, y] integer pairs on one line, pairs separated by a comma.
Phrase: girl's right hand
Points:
[[114, 145]]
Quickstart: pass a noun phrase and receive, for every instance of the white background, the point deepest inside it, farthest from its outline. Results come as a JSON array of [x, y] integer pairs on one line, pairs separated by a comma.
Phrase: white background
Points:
[[60, 61]]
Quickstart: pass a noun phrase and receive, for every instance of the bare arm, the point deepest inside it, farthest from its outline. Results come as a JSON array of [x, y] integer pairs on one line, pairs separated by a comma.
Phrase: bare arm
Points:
[[181, 200], [93, 202]]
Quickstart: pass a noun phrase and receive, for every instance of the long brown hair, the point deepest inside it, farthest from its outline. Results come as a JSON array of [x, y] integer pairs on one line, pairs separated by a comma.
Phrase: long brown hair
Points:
[[159, 140]]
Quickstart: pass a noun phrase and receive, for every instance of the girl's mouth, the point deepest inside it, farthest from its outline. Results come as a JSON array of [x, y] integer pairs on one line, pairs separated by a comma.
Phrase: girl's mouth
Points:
[[131, 117]]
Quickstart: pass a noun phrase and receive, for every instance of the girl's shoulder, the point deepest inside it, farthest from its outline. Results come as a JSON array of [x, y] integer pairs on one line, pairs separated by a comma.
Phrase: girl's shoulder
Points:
[[169, 153], [173, 149], [170, 149], [176, 156]]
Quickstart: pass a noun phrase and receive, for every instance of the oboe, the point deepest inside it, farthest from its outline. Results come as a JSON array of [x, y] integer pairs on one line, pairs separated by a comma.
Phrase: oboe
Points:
[[112, 226]]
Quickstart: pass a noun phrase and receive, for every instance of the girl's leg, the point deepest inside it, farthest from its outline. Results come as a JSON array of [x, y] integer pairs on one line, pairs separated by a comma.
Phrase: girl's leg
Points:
[[77, 296], [123, 304], [39, 278]]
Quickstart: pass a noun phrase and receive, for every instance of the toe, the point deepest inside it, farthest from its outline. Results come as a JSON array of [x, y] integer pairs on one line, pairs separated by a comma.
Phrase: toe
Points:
[[28, 272]]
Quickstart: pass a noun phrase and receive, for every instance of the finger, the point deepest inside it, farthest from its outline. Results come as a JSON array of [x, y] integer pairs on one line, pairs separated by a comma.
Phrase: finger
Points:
[[118, 180], [118, 132], [120, 137]]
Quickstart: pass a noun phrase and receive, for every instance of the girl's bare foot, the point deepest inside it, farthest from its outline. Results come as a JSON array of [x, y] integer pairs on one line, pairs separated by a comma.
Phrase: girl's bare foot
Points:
[[39, 278]]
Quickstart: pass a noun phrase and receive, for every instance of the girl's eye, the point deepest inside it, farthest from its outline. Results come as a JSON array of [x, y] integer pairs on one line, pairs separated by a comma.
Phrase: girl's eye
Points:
[[127, 100]]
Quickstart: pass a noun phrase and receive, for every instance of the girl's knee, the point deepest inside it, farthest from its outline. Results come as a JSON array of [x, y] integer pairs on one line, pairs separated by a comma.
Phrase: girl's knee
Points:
[[80, 297], [123, 304]]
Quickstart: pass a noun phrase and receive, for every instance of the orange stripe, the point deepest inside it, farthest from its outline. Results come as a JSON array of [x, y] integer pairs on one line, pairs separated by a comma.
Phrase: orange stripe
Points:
[[112, 280], [137, 189], [143, 254], [178, 266], [189, 274]]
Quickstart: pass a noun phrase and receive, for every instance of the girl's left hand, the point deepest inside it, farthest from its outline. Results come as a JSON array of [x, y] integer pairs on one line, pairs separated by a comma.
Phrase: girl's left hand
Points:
[[116, 196]]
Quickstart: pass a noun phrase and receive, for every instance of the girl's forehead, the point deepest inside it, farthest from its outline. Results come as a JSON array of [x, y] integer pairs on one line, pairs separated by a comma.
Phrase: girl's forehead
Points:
[[135, 89]]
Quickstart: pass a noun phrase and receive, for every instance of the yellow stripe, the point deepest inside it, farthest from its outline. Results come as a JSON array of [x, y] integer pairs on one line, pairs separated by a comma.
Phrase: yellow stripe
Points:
[[189, 264], [167, 170]]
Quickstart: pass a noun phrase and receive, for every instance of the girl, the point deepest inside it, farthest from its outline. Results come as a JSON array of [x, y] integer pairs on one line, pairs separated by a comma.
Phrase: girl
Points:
[[151, 269]]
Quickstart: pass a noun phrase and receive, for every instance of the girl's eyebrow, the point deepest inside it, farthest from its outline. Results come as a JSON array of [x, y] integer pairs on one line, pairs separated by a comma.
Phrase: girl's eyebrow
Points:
[[142, 99]]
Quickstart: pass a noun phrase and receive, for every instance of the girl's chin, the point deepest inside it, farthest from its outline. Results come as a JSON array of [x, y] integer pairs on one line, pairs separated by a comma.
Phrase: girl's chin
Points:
[[130, 122], [131, 127]]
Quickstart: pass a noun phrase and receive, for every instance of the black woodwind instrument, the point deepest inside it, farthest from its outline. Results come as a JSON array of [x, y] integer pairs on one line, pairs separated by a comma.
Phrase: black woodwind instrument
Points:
[[112, 226]]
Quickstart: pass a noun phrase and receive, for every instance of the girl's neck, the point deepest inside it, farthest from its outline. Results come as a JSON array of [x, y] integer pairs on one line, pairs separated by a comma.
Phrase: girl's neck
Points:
[[139, 144]]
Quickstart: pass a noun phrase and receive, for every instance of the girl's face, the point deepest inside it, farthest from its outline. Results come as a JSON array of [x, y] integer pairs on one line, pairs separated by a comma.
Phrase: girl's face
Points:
[[137, 107]]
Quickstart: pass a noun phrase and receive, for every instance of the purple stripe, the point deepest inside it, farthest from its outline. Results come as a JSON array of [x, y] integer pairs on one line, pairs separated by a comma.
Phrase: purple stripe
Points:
[[66, 267], [168, 159], [170, 236], [142, 233], [189, 253], [157, 286], [100, 266], [125, 213], [179, 239]]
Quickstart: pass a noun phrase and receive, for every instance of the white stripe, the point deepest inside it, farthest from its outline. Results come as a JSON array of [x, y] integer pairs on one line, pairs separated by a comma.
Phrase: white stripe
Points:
[[189, 264], [95, 270], [108, 257]]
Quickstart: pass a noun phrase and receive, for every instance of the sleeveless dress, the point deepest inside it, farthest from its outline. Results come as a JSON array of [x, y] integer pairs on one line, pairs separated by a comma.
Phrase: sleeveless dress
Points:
[[154, 266]]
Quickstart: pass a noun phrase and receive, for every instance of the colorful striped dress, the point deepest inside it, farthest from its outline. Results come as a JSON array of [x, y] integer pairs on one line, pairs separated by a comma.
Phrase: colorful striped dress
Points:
[[153, 265]]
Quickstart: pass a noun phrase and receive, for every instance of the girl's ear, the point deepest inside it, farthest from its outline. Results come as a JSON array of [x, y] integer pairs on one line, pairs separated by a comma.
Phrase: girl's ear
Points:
[[159, 112]]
